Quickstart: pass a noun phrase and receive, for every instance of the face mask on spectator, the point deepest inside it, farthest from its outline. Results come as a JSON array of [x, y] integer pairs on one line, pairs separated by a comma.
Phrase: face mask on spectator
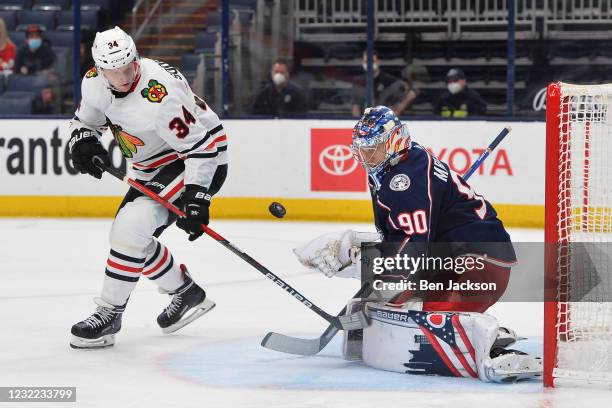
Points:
[[365, 66], [454, 87], [278, 78], [34, 43]]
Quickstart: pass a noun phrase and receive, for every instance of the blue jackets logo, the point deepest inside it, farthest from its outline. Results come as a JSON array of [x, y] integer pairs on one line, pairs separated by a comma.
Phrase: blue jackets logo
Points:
[[399, 182]]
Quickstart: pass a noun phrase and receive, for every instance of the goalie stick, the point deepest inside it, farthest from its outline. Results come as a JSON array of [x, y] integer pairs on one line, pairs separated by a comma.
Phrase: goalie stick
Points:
[[347, 322], [310, 347]]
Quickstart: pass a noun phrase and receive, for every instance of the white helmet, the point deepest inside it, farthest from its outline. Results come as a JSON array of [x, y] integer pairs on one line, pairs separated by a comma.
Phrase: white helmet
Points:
[[113, 48]]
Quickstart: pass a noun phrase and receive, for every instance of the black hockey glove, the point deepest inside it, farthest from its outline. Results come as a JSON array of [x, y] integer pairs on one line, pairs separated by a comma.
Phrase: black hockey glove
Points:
[[84, 145], [196, 201]]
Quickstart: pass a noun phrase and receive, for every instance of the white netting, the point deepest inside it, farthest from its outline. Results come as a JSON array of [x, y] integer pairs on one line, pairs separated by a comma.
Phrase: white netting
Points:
[[584, 322]]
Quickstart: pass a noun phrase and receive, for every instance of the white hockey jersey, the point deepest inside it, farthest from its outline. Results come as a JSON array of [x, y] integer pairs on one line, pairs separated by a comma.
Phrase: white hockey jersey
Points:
[[158, 122]]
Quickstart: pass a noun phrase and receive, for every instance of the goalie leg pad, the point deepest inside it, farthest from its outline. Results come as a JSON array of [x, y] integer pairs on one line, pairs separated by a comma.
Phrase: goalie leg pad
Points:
[[404, 338], [408, 340]]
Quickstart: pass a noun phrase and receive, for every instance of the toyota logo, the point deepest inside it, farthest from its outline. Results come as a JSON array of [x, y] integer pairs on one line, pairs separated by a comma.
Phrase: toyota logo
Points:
[[337, 160]]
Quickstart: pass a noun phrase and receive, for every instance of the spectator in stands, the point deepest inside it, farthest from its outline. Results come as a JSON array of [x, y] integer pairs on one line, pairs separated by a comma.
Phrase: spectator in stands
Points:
[[388, 90], [280, 96], [35, 55], [7, 50], [459, 101]]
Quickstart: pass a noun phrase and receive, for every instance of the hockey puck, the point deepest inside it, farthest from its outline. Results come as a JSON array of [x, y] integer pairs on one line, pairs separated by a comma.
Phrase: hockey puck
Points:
[[277, 209]]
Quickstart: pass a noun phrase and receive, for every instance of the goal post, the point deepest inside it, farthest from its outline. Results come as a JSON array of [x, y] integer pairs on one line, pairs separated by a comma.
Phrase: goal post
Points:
[[578, 234]]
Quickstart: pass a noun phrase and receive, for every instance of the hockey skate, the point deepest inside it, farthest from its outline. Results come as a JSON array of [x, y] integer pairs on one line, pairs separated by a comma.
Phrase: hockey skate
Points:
[[508, 366], [188, 303], [99, 329]]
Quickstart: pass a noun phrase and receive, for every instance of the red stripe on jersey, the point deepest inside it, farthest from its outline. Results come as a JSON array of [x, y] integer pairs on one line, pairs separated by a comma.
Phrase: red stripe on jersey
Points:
[[157, 163], [123, 267], [382, 205], [159, 264], [404, 242], [174, 190], [392, 223], [457, 323], [215, 141]]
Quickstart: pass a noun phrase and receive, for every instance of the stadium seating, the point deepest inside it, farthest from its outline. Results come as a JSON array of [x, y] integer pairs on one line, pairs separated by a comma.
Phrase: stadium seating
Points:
[[60, 38], [10, 19], [469, 51], [27, 86], [189, 66], [243, 10], [604, 51], [44, 19], [96, 5], [27, 83], [17, 37], [345, 51], [54, 5], [205, 42], [15, 4], [190, 62], [63, 63], [19, 105], [213, 22], [244, 18], [567, 52], [57, 5], [65, 20], [243, 4]]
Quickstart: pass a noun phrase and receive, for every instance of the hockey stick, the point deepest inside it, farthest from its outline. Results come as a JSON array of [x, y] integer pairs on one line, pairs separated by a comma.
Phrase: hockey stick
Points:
[[486, 153], [347, 322], [310, 347]]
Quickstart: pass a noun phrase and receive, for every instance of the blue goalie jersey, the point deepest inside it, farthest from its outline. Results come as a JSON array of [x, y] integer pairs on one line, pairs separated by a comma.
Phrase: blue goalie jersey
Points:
[[421, 200]]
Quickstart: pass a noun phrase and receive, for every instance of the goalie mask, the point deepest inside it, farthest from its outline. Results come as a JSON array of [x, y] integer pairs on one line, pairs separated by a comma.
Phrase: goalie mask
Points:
[[114, 53], [379, 139]]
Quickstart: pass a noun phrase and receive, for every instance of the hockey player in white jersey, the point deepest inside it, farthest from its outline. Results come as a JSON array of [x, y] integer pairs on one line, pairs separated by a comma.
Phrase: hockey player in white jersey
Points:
[[175, 145]]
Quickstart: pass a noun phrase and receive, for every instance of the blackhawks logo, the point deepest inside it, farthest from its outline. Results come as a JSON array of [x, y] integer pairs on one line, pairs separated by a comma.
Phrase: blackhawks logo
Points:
[[155, 91], [92, 73], [128, 143]]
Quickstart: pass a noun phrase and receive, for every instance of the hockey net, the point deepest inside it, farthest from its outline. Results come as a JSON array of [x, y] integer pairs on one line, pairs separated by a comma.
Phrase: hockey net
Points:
[[578, 311]]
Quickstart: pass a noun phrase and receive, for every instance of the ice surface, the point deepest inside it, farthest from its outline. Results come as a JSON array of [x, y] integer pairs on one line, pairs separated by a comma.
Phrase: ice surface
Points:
[[52, 268]]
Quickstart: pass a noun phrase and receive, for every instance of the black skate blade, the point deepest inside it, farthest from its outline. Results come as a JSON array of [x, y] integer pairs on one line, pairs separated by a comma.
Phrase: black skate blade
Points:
[[198, 311]]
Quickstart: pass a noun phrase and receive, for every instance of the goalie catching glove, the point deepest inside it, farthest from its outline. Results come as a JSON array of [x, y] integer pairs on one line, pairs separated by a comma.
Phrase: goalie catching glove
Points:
[[330, 253], [196, 201], [84, 146]]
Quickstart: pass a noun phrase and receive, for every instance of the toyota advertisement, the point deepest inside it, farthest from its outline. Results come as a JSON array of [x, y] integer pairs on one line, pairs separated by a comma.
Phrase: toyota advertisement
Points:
[[332, 166]]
